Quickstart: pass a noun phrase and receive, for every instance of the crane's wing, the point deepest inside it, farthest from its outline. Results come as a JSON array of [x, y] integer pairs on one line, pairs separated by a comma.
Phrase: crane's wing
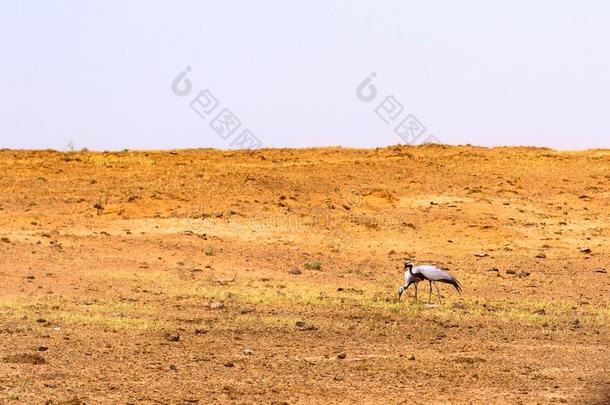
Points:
[[433, 273]]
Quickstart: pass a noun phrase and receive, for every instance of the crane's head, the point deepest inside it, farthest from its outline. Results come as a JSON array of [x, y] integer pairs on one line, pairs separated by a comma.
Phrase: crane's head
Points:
[[400, 291], [408, 265], [408, 281]]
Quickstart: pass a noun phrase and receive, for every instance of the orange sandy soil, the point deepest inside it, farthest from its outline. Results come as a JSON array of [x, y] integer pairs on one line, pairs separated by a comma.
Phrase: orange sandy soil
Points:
[[192, 276]]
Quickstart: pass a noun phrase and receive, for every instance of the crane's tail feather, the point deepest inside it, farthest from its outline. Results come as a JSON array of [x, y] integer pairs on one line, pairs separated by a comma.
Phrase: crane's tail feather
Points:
[[457, 285], [454, 283]]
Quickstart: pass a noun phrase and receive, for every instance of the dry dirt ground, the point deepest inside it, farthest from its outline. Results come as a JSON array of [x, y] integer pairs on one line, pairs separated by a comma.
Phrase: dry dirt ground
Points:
[[203, 276]]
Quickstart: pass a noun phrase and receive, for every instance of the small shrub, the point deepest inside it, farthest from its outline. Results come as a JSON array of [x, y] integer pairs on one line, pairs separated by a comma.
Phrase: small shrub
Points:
[[99, 207], [313, 265], [209, 251]]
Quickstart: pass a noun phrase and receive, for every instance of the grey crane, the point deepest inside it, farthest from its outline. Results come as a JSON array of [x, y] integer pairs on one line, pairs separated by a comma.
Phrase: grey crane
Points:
[[415, 274]]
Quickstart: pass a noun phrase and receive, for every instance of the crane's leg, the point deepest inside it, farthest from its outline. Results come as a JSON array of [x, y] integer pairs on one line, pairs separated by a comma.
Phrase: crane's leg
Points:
[[430, 294], [439, 293], [415, 292]]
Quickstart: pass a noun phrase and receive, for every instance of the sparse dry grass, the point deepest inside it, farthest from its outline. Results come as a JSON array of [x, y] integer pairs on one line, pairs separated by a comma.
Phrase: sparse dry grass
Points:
[[184, 231]]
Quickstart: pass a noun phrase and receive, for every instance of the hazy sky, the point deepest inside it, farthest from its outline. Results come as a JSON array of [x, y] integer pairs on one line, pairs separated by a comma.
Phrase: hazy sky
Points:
[[99, 74]]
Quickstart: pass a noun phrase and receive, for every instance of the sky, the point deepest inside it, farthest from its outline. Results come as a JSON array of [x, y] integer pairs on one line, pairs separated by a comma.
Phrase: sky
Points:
[[112, 75]]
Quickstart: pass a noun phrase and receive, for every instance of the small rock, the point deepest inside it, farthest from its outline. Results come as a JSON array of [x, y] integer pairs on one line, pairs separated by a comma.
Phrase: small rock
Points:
[[300, 325], [600, 271], [42, 348], [541, 256], [5, 239], [481, 254], [248, 352], [585, 250], [494, 269], [295, 271], [172, 338], [412, 357], [173, 367], [341, 356], [510, 271], [217, 305], [524, 274], [229, 364]]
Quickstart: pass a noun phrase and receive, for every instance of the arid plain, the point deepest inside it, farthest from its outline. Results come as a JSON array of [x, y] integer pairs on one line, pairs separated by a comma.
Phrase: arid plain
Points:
[[204, 276]]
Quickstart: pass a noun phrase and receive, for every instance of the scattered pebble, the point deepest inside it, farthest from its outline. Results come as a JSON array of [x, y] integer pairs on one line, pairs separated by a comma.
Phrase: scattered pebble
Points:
[[248, 352], [295, 271], [412, 357], [585, 250], [481, 254], [172, 338], [341, 356], [301, 325], [217, 305]]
